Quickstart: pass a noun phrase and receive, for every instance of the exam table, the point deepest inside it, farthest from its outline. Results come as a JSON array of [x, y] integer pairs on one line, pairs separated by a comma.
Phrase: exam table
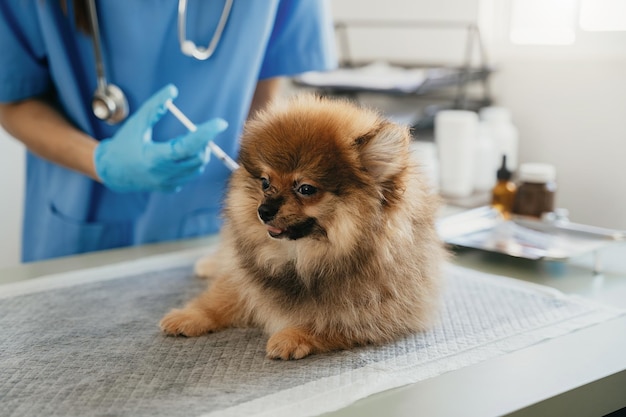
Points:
[[582, 373]]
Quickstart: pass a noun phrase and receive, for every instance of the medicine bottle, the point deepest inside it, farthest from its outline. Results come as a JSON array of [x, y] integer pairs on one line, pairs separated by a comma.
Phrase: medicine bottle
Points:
[[486, 160], [535, 194], [504, 133], [455, 137], [503, 193]]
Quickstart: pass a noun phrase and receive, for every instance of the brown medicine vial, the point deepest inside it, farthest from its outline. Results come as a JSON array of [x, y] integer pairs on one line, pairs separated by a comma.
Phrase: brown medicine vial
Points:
[[535, 194], [503, 193]]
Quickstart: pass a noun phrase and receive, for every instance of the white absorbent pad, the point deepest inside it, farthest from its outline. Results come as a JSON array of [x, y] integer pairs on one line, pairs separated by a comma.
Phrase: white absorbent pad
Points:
[[87, 343]]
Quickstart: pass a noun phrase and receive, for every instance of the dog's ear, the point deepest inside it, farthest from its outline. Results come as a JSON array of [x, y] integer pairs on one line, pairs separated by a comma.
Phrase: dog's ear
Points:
[[383, 151]]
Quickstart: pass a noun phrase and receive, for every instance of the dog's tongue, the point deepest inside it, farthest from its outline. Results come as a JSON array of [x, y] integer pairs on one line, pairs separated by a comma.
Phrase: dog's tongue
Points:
[[274, 230]]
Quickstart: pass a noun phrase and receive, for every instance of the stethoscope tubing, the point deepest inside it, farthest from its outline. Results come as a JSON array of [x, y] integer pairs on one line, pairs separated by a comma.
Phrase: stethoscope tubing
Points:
[[187, 46], [109, 102]]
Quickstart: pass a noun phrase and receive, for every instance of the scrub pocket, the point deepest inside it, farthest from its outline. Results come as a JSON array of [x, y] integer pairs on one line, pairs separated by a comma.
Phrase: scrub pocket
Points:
[[66, 236]]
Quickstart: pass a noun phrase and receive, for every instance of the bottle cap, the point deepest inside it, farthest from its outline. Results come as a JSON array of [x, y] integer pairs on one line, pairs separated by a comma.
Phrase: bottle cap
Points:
[[495, 114], [456, 117], [537, 173], [503, 173]]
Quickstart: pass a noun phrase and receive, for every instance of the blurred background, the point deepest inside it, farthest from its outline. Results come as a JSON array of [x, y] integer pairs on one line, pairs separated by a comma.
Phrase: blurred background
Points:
[[557, 66]]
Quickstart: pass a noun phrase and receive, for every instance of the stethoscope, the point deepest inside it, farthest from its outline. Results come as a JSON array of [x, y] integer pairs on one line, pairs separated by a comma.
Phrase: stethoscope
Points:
[[109, 102]]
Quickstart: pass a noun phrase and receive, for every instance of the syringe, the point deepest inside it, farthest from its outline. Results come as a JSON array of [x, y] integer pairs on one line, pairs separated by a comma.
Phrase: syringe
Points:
[[217, 151]]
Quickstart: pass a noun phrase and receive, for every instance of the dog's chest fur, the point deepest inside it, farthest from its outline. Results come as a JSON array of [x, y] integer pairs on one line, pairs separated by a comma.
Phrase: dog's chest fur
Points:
[[286, 281], [300, 281]]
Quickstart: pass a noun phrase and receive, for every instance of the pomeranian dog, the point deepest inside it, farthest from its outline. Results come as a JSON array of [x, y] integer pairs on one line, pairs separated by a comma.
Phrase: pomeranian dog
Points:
[[329, 237]]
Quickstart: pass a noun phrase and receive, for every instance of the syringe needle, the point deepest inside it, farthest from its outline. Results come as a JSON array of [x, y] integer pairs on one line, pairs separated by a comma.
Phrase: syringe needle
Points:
[[217, 151]]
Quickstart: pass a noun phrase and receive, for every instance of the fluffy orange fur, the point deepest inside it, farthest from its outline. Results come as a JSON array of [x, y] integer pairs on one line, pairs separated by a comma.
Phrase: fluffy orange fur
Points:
[[329, 237]]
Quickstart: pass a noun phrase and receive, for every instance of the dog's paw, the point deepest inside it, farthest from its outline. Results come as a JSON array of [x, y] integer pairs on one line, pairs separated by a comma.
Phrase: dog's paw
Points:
[[289, 344], [206, 266], [187, 322]]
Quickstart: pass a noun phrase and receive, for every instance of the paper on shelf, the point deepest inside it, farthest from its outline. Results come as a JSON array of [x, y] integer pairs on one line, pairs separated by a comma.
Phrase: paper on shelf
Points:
[[375, 76]]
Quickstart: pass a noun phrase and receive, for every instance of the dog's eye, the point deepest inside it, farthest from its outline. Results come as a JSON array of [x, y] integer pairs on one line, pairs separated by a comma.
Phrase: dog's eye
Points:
[[307, 189], [265, 183]]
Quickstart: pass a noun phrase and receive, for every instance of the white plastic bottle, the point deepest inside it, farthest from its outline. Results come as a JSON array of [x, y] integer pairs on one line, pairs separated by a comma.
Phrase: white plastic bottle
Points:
[[485, 160], [456, 133], [425, 153], [504, 134]]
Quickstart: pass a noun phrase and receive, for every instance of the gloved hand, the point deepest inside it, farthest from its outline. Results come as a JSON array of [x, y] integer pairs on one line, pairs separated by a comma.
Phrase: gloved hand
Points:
[[131, 161]]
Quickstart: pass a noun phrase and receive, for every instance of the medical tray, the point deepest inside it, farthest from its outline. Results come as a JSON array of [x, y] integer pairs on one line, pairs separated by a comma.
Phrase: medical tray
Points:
[[558, 240]]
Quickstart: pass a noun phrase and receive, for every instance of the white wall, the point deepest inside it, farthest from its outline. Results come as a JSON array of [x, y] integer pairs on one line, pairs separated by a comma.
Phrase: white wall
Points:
[[11, 199], [421, 41]]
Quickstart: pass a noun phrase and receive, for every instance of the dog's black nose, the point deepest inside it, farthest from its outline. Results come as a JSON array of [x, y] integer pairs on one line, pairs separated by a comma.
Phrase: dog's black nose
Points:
[[267, 212]]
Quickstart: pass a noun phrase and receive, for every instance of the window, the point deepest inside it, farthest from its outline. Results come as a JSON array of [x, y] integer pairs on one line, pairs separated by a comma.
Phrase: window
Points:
[[556, 22], [603, 15], [543, 22]]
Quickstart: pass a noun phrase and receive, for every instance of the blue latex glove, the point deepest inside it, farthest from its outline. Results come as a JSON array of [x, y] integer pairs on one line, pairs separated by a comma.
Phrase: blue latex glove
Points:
[[131, 161]]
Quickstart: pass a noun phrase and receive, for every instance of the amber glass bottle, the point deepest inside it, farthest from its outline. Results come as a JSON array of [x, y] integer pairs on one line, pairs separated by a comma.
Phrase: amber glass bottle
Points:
[[535, 194], [503, 193]]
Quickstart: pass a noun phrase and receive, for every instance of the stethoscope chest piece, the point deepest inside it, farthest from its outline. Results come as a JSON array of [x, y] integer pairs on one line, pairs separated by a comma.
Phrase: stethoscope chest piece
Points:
[[109, 104]]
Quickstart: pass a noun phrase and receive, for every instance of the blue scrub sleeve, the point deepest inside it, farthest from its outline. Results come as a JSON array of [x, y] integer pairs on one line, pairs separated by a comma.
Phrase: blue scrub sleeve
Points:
[[302, 39], [23, 65]]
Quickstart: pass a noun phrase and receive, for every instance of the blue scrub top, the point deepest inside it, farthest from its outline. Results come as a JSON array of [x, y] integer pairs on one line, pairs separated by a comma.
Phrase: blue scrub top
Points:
[[43, 54]]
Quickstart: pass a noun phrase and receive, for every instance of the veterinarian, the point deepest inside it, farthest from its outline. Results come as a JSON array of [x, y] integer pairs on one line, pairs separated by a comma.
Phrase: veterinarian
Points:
[[97, 178]]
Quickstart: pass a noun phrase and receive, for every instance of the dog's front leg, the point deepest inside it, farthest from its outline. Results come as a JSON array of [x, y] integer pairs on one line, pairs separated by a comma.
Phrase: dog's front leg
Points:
[[298, 342], [217, 308], [207, 266]]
